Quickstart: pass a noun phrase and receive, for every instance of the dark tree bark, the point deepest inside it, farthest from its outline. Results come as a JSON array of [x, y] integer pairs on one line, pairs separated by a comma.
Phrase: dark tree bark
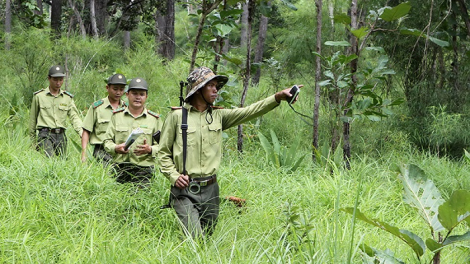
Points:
[[127, 39], [165, 25], [352, 50], [56, 15], [40, 9], [101, 15], [7, 24], [465, 17], [247, 75], [243, 25], [263, 29], [319, 5]]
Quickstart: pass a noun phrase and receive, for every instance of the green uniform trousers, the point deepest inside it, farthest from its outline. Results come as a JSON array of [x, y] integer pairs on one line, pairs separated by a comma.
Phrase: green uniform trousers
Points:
[[101, 155], [52, 143], [128, 172], [197, 212]]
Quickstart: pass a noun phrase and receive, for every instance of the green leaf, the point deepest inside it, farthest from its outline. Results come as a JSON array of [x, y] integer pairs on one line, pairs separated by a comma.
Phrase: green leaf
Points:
[[324, 83], [289, 4], [276, 144], [467, 155], [342, 43], [439, 42], [360, 33], [412, 240], [386, 256], [422, 194], [342, 19], [399, 11], [223, 29], [434, 245], [227, 13], [455, 210], [267, 148]]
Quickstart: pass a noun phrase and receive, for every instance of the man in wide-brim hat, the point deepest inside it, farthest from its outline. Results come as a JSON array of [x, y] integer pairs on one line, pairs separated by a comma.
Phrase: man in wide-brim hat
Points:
[[194, 190]]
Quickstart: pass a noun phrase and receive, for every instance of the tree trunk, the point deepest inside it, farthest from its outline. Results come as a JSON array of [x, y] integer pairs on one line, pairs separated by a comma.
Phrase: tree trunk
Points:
[[349, 97], [79, 19], [263, 29], [464, 15], [247, 75], [319, 5], [94, 28], [101, 16], [40, 9], [127, 39], [206, 10], [7, 24], [243, 25], [165, 27], [56, 15]]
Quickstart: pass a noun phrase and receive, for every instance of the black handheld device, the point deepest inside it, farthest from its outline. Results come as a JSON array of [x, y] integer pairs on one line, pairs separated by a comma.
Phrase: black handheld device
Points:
[[294, 91]]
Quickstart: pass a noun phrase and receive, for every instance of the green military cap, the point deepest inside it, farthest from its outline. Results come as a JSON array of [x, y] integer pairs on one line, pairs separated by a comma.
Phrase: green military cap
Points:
[[56, 71], [117, 79], [138, 83]]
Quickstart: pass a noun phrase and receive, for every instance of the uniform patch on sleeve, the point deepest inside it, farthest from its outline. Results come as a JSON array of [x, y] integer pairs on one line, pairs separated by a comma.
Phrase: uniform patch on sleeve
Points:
[[68, 93], [176, 107], [38, 91], [153, 114], [119, 110], [217, 107], [97, 103]]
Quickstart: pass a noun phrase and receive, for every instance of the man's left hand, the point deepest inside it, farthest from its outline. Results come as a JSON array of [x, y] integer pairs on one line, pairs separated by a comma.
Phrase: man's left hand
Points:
[[143, 149]]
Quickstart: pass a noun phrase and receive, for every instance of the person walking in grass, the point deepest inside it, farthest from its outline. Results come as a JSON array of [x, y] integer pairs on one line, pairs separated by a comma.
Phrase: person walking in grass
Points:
[[191, 164], [49, 111], [134, 163], [98, 116]]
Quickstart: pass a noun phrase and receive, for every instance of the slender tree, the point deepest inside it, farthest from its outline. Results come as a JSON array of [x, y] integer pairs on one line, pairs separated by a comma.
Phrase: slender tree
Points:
[[7, 24], [79, 18], [165, 28], [259, 50], [316, 115], [56, 18], [247, 74], [94, 27]]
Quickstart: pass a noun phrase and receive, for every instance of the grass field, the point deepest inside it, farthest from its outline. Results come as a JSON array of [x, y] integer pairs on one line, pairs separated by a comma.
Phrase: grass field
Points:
[[63, 211]]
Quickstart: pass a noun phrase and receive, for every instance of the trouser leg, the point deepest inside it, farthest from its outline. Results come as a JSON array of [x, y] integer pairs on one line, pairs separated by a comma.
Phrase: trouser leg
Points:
[[101, 155], [141, 175], [197, 212], [45, 143], [187, 212], [60, 144]]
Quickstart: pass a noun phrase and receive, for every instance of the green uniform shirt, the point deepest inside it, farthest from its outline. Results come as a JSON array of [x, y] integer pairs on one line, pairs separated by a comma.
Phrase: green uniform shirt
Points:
[[97, 119], [204, 142], [121, 125], [51, 111]]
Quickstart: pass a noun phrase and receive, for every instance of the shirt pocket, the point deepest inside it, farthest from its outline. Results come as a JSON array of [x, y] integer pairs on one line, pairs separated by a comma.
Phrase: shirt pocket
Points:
[[63, 110], [215, 133], [146, 135], [101, 126], [122, 132], [46, 110], [191, 136]]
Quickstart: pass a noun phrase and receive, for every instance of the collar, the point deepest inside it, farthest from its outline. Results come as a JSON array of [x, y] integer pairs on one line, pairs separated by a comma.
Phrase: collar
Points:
[[144, 113], [48, 91]]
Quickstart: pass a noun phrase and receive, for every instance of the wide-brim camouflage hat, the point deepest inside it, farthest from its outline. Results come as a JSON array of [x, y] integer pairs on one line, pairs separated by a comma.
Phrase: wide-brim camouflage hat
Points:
[[117, 79], [56, 71], [138, 83], [200, 77]]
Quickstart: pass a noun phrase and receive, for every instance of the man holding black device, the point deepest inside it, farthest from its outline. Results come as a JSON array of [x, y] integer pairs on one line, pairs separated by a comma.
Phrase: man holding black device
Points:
[[190, 150], [134, 162]]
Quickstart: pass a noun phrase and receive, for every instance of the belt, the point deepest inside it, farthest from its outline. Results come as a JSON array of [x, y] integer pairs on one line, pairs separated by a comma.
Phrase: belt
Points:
[[205, 181], [99, 147], [53, 130]]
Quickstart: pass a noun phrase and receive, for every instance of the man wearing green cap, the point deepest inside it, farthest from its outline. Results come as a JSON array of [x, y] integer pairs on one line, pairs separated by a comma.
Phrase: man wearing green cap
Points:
[[49, 111], [98, 116], [195, 191], [134, 162]]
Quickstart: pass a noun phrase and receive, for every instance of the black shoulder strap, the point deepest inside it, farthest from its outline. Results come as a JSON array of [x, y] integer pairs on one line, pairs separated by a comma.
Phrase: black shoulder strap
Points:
[[184, 131]]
